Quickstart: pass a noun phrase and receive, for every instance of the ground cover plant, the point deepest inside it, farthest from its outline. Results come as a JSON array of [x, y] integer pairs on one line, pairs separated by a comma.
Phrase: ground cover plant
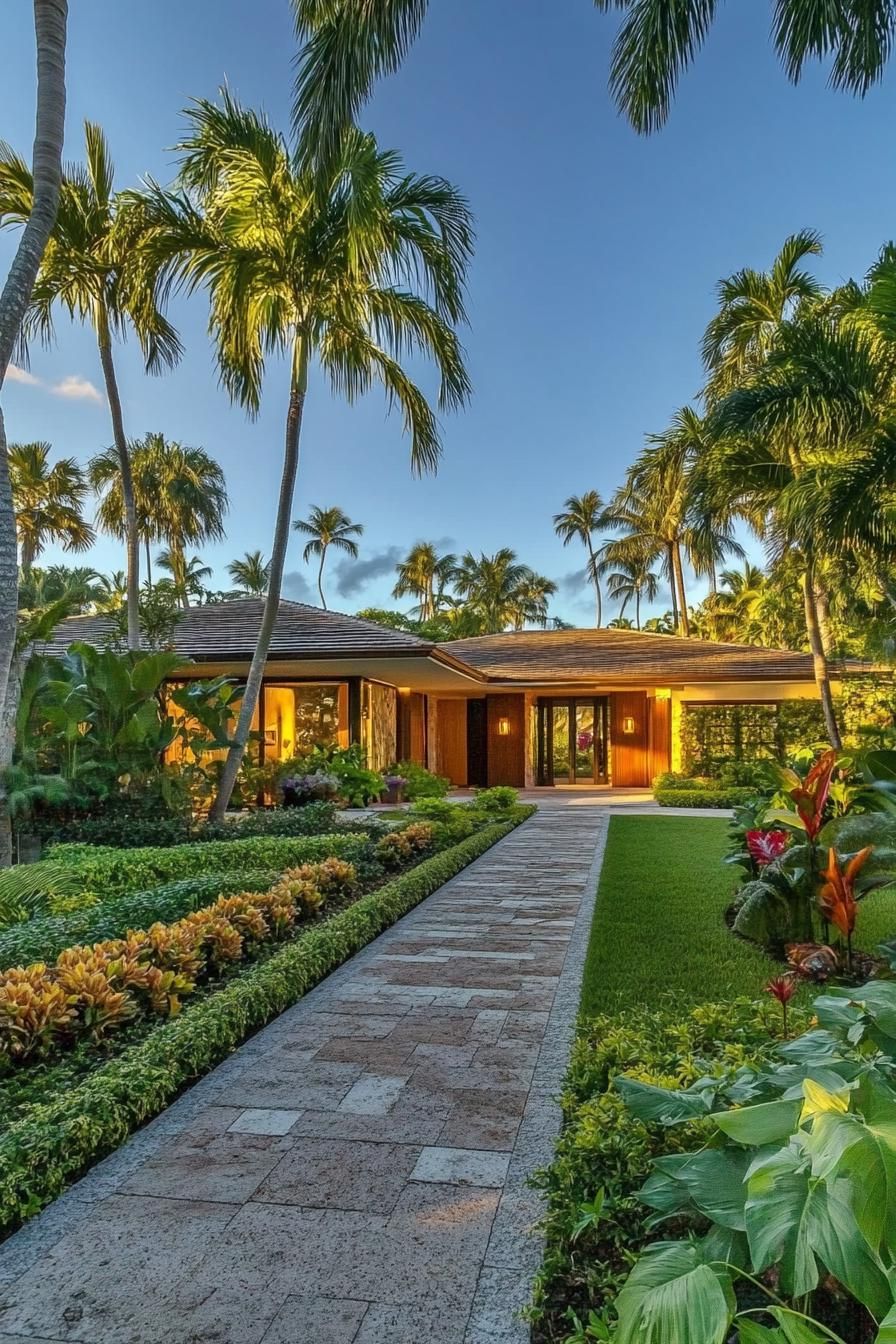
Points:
[[146, 1012]]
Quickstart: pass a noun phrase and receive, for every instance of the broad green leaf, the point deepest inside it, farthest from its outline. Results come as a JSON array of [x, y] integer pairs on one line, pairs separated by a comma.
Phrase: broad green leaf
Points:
[[751, 1332], [819, 1101], [764, 915], [843, 1250], [672, 1295], [864, 1152], [813, 1047], [795, 1329], [711, 1181], [778, 1214], [660, 1105], [887, 1331], [769, 1122], [722, 1245], [879, 765]]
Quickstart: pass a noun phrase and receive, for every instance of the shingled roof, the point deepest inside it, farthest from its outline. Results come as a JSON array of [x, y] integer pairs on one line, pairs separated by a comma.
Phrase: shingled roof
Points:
[[628, 656], [227, 631]]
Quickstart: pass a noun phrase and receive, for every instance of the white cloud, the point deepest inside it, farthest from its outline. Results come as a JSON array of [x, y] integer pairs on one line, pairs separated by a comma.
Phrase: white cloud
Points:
[[17, 375], [76, 388]]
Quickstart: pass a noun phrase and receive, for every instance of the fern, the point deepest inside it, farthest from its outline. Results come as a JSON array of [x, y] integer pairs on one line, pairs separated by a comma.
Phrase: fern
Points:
[[27, 889]]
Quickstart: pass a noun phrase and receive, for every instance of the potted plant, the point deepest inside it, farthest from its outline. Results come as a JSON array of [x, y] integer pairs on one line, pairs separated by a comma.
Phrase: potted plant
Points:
[[394, 790]]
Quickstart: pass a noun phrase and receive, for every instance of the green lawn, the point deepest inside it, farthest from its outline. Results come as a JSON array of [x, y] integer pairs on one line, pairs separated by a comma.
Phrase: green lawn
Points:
[[658, 927]]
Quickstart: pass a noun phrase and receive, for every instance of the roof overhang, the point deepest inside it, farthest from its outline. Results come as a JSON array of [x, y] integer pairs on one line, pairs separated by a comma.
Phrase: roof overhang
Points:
[[426, 672]]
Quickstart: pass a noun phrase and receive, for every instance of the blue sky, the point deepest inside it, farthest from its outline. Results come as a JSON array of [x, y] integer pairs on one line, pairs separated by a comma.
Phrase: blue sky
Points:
[[598, 252]]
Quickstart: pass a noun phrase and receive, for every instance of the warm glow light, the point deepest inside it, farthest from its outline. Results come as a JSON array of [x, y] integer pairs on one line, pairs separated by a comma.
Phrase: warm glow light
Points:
[[628, 724], [503, 727]]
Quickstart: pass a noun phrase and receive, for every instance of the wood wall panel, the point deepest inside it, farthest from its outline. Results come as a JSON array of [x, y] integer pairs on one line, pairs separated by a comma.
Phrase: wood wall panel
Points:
[[659, 736], [629, 764], [412, 727], [507, 755], [451, 740]]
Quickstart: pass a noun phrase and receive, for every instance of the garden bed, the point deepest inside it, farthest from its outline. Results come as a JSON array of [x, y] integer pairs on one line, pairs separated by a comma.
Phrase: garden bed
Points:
[[83, 1105]]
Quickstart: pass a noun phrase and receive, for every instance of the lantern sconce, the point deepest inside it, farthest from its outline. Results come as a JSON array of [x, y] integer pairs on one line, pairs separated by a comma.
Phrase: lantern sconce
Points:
[[503, 727], [628, 725]]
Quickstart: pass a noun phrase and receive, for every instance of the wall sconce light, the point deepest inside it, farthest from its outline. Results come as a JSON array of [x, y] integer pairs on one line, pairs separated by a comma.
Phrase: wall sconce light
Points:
[[628, 724], [503, 727]]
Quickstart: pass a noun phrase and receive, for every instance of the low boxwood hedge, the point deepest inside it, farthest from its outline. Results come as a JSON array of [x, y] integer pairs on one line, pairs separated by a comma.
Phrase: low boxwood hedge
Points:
[[124, 829], [731, 797], [44, 938], [114, 872], [41, 1154]]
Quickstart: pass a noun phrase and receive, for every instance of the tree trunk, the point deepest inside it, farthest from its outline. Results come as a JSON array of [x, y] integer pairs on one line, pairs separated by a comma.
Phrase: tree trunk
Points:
[[50, 18], [823, 607], [320, 578], [682, 595], [132, 535], [148, 562], [638, 608], [8, 711], [298, 389], [27, 557], [673, 582], [819, 660], [592, 566]]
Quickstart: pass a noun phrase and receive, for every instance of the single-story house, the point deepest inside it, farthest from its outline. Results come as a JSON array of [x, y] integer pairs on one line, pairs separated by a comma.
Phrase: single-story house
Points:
[[534, 708]]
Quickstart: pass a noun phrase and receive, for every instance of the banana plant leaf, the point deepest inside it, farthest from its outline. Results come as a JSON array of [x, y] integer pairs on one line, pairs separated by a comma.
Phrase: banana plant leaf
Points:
[[710, 1182], [660, 1105], [672, 1294]]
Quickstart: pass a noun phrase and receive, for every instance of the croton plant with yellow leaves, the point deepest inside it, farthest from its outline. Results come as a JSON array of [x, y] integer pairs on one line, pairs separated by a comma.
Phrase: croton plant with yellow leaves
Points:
[[88, 992], [784, 1209]]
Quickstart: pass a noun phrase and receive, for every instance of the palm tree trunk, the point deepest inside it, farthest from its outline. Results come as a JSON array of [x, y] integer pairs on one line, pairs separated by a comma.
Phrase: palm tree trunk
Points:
[[298, 389], [148, 562], [320, 578], [823, 607], [132, 536], [638, 608], [682, 595], [819, 659], [50, 19], [673, 581], [592, 566], [27, 557]]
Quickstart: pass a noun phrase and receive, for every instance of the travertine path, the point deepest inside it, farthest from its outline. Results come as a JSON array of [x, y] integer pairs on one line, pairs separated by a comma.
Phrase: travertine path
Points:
[[355, 1174]]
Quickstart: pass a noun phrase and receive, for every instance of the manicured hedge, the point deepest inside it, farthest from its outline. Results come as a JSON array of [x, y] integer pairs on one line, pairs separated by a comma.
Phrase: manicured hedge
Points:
[[121, 829], [113, 872], [732, 797], [43, 1153], [43, 939]]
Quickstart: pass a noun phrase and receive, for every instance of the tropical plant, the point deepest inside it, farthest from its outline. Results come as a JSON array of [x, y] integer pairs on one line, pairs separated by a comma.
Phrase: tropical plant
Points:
[[180, 497], [187, 576], [581, 517], [48, 501], [501, 591], [326, 528], [80, 588], [630, 578], [250, 573], [424, 574], [369, 261], [84, 270], [787, 1200]]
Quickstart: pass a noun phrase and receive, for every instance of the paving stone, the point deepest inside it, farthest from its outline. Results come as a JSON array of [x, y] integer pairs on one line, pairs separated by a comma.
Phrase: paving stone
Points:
[[227, 1168], [341, 1174], [261, 1120], [316, 1320], [434, 1323], [461, 1166], [373, 1094], [501, 1295]]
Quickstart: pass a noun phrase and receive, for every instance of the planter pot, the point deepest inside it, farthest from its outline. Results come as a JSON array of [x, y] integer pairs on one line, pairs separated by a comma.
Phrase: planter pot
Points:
[[392, 796]]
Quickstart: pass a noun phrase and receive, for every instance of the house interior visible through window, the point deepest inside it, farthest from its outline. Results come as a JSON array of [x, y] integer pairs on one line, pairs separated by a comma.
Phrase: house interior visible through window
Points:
[[300, 717]]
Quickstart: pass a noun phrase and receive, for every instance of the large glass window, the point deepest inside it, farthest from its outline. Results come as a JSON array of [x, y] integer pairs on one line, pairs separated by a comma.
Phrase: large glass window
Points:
[[300, 717]]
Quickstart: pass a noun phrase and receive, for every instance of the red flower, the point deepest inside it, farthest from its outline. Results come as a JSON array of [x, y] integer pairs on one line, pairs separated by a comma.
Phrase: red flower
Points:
[[782, 988], [812, 794], [836, 900], [766, 846]]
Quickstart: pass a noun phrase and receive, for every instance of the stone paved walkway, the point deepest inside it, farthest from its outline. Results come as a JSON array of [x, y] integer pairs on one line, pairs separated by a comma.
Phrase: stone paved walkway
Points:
[[355, 1174]]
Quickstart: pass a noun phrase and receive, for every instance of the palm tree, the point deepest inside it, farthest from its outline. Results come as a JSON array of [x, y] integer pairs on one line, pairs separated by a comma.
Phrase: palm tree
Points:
[[79, 587], [501, 591], [631, 579], [658, 40], [50, 17], [582, 516], [251, 573], [85, 270], [180, 496], [48, 501], [353, 270], [111, 592], [188, 577], [529, 602], [650, 512], [326, 528], [424, 574]]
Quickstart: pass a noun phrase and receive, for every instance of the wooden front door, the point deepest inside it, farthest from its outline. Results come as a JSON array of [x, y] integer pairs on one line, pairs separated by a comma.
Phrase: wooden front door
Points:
[[629, 736], [451, 741]]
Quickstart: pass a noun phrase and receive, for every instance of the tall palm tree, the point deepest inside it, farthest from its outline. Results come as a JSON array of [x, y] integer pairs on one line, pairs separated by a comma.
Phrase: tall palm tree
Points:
[[50, 18], [180, 496], [49, 502], [188, 576], [529, 602], [79, 587], [501, 591], [632, 579], [650, 512], [424, 574], [352, 271], [85, 271], [326, 528], [582, 516], [657, 40], [251, 573]]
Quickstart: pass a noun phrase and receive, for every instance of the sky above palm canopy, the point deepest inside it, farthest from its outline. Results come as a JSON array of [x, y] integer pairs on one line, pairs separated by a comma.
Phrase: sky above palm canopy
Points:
[[597, 257]]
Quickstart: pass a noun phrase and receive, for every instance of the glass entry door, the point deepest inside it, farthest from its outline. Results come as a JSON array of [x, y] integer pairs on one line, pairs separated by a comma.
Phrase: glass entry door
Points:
[[572, 741]]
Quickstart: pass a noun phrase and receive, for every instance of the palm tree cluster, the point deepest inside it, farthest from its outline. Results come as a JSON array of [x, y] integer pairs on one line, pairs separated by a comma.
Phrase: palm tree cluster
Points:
[[472, 594]]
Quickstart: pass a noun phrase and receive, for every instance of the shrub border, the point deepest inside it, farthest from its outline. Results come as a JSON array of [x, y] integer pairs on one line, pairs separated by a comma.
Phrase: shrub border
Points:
[[40, 1156], [710, 798]]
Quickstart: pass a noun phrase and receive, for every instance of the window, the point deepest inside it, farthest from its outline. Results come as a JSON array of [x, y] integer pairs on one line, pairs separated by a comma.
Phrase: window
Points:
[[300, 717]]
